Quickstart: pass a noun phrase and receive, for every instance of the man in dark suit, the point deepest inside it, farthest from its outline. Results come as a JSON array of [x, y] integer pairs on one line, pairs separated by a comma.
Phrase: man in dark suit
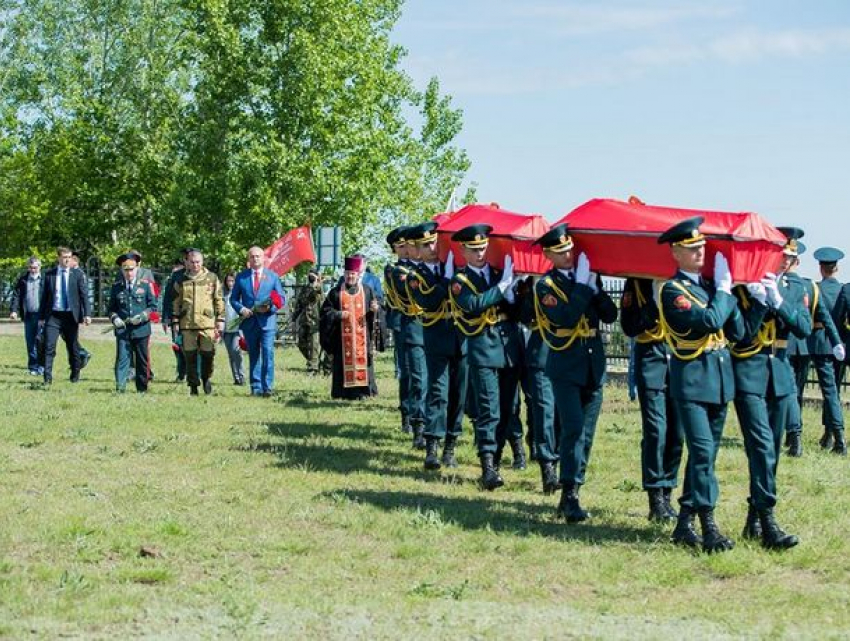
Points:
[[26, 299], [64, 305]]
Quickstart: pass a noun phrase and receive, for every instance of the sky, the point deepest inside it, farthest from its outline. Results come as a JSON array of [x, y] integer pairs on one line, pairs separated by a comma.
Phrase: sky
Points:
[[725, 105]]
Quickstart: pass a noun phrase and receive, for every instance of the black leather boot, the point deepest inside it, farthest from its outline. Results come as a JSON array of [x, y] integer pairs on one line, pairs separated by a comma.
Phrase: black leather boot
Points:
[[667, 493], [550, 479], [432, 460], [405, 424], [684, 533], [712, 539], [449, 459], [839, 446], [773, 538], [518, 450], [497, 458], [418, 435], [752, 528], [826, 439], [795, 444], [490, 478], [657, 510], [569, 506]]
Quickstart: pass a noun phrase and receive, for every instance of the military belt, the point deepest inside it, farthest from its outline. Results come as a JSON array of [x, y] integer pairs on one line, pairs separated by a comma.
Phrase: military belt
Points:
[[566, 333]]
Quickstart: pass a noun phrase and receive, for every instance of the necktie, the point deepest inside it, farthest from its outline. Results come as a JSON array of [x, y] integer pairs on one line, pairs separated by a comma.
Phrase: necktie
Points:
[[63, 290], [256, 282]]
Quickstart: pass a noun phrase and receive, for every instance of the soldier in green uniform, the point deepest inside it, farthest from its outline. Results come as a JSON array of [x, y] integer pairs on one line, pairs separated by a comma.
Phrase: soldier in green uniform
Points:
[[765, 391], [661, 445], [826, 350], [841, 318], [308, 305], [178, 270], [393, 301], [197, 312], [485, 311], [570, 303], [445, 349], [131, 302], [698, 317]]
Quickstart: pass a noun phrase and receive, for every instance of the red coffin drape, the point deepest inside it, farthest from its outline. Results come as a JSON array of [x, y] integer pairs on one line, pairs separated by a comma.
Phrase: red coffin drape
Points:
[[621, 239], [512, 235]]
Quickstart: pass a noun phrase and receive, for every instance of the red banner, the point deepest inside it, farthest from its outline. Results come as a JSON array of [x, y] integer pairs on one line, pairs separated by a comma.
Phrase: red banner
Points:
[[290, 250]]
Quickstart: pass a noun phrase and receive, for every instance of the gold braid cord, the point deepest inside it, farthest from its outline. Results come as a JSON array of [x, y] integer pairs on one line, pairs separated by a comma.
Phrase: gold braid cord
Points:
[[764, 338], [471, 326], [427, 317], [678, 340], [547, 328], [654, 335]]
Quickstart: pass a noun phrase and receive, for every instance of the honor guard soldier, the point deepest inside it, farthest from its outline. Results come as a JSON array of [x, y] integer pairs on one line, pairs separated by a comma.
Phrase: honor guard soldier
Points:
[[569, 304], [826, 350], [698, 317], [131, 303], [398, 243], [765, 391], [445, 349], [661, 445], [485, 311], [841, 317]]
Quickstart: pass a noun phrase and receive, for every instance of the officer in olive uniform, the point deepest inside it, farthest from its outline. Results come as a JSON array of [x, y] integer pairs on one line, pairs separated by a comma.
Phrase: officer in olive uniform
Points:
[[698, 317], [131, 303], [308, 305], [826, 350], [569, 304], [661, 445], [198, 314], [485, 311], [445, 349], [765, 390]]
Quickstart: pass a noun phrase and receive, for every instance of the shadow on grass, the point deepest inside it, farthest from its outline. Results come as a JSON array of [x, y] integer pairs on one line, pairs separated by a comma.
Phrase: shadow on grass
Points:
[[515, 517]]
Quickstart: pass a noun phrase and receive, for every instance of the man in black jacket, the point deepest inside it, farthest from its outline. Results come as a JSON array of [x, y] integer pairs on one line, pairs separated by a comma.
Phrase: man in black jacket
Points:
[[26, 300], [64, 305]]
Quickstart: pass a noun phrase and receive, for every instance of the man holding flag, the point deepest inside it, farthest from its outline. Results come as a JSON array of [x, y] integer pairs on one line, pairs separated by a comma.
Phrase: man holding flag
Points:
[[257, 296]]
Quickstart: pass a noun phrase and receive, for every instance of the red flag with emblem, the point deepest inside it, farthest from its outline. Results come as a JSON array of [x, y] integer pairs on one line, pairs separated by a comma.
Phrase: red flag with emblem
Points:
[[291, 250]]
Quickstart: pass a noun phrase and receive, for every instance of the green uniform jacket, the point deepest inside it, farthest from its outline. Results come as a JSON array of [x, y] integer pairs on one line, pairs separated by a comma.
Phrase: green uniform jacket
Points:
[[768, 372], [841, 314], [639, 318], [393, 314], [431, 293], [409, 325], [124, 305], [696, 311], [583, 362], [498, 345], [536, 350], [825, 335]]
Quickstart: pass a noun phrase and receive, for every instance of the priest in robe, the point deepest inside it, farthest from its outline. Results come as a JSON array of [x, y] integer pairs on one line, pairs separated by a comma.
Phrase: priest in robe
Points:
[[347, 323]]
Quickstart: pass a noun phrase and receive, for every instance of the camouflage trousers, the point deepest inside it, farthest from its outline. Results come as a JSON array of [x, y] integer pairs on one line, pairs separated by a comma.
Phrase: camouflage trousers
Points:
[[308, 344]]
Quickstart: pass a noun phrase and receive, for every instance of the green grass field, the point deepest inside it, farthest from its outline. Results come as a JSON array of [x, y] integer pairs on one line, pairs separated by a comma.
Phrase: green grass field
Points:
[[176, 517]]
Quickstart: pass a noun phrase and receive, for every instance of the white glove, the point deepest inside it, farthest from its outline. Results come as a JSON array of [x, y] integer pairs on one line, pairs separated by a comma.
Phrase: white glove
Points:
[[117, 323], [507, 279], [839, 352], [583, 269], [758, 292], [774, 298], [722, 275], [592, 282], [449, 269]]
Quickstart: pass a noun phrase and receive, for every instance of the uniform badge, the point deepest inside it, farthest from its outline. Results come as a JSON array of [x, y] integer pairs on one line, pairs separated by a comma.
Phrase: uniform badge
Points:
[[682, 303], [627, 299], [549, 301], [456, 288]]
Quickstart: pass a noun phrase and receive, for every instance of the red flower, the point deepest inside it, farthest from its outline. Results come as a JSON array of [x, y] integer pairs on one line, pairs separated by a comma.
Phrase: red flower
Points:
[[243, 344], [175, 348], [276, 299], [154, 317]]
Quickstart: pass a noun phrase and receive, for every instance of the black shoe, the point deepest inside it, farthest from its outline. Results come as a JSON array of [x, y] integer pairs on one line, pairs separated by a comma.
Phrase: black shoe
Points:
[[518, 450], [432, 460], [667, 494], [48, 381], [268, 394], [752, 527], [712, 539], [839, 446], [207, 386], [773, 538], [490, 478], [826, 439], [569, 506], [193, 390], [657, 509], [180, 378], [239, 381], [795, 444], [549, 477], [85, 357], [75, 377], [418, 435], [684, 533], [449, 459]]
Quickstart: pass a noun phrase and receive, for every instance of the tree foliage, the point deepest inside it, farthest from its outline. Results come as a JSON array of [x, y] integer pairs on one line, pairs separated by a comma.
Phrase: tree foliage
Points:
[[220, 123]]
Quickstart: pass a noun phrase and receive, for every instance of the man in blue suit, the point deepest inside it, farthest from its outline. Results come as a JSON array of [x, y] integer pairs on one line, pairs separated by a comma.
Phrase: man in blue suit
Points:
[[256, 297]]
